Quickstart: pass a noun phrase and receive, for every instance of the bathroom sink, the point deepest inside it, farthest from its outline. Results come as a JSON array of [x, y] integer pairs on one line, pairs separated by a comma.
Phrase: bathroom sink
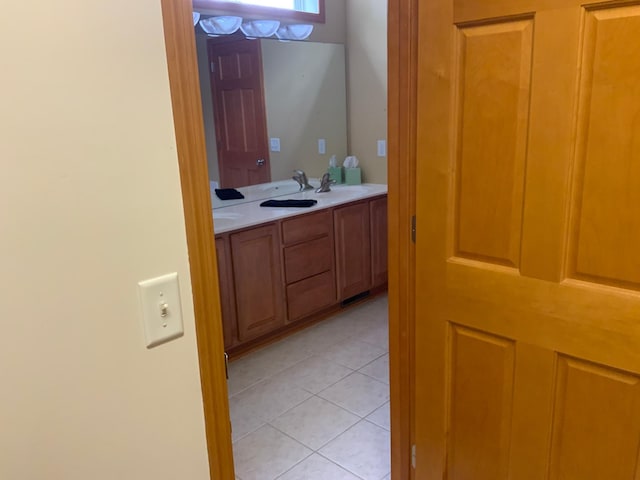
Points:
[[221, 215]]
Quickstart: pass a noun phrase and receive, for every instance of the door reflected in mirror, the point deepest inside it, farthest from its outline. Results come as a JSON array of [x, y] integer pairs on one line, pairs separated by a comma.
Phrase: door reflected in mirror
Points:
[[301, 88]]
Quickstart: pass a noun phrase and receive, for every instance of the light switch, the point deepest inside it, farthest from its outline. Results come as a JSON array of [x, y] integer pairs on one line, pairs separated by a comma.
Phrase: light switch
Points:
[[275, 144], [161, 309], [382, 148], [322, 146]]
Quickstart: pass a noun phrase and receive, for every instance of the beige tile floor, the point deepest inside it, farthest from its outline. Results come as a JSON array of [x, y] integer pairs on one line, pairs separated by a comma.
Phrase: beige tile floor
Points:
[[315, 406]]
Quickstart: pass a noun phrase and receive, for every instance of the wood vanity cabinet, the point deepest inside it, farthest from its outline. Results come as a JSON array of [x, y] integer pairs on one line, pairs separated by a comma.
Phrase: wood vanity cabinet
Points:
[[308, 264], [257, 280], [353, 249], [280, 273]]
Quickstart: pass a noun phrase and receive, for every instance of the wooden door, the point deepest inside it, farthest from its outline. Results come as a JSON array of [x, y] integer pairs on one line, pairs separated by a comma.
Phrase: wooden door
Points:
[[527, 360], [239, 111], [257, 269], [353, 249]]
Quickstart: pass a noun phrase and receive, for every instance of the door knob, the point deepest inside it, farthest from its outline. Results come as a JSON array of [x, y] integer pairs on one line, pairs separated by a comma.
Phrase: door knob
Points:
[[260, 162]]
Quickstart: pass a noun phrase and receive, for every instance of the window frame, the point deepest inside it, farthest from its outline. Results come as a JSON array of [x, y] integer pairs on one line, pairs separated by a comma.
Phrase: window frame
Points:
[[271, 12]]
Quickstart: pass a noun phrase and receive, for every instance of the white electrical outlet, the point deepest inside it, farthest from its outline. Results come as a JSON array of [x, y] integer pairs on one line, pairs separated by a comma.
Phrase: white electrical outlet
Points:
[[382, 148], [322, 146], [161, 309], [275, 144]]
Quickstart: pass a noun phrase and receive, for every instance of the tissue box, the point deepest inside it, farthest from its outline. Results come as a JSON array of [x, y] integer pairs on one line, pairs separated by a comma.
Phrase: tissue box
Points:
[[352, 176], [335, 173]]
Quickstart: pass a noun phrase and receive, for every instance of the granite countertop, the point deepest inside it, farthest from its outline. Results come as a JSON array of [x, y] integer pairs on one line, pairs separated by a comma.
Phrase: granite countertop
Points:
[[250, 213]]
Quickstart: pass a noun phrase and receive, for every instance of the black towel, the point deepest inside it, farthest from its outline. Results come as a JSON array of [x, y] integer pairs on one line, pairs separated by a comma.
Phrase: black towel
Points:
[[228, 194], [289, 203]]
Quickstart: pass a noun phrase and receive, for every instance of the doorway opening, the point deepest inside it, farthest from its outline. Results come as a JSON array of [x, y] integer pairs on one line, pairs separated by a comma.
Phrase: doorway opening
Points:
[[203, 262]]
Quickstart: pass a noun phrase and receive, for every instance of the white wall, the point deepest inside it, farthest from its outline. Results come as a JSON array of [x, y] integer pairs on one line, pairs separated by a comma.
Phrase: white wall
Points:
[[305, 97], [367, 84], [90, 204]]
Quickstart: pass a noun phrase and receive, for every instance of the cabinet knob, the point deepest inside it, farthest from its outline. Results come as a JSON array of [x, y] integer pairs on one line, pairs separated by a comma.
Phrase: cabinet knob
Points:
[[260, 162]]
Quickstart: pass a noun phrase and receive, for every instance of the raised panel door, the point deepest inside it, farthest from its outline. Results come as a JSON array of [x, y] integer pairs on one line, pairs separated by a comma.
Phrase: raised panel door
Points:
[[527, 363], [240, 115]]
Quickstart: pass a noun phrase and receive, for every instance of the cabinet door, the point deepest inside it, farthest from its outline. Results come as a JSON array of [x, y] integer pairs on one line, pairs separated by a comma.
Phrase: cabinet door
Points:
[[258, 281], [378, 212], [353, 249], [227, 297]]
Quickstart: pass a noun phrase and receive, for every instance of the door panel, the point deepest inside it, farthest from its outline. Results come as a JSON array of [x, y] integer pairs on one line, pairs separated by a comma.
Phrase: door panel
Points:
[[481, 371], [492, 119], [528, 266], [596, 421], [607, 218]]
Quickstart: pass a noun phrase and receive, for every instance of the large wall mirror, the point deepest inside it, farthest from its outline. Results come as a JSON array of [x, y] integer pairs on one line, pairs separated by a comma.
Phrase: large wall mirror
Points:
[[304, 88]]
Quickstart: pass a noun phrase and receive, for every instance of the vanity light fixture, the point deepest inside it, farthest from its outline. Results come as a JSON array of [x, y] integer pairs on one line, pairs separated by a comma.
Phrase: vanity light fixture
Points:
[[224, 25], [294, 32], [260, 28]]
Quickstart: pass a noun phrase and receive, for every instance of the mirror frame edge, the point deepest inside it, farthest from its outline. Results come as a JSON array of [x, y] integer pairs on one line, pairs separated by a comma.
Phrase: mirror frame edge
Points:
[[194, 179]]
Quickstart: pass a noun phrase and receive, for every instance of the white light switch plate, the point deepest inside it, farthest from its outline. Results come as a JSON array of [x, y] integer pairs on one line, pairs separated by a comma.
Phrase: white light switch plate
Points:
[[161, 309], [382, 148], [275, 144]]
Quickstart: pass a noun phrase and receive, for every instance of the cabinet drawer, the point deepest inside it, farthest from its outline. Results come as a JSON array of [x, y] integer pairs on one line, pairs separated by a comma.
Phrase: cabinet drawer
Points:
[[307, 227], [311, 295], [308, 259]]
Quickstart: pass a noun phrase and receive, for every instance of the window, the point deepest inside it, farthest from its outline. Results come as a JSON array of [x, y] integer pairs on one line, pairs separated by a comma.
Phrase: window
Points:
[[296, 10]]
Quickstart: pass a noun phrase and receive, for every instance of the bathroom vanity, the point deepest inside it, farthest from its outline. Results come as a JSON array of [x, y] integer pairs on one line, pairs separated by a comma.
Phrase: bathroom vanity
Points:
[[281, 267]]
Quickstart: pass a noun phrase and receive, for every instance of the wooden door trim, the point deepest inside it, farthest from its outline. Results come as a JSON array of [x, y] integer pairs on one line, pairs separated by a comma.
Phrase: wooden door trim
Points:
[[194, 179], [401, 166]]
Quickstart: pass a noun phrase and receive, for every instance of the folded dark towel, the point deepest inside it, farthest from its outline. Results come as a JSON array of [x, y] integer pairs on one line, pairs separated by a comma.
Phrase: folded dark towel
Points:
[[228, 194], [289, 203]]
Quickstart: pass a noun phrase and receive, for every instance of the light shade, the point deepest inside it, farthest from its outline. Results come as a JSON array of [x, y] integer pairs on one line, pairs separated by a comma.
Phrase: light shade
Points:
[[225, 25], [294, 32], [260, 28], [196, 17]]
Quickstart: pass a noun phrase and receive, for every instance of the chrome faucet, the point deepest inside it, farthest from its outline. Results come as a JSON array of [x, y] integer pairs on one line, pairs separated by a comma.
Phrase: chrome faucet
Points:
[[301, 177], [325, 183]]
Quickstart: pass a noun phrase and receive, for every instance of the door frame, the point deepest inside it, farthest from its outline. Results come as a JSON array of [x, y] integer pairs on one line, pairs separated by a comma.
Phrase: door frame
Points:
[[194, 180]]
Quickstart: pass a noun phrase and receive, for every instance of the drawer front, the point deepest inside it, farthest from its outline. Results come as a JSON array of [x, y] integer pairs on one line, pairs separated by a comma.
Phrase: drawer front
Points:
[[311, 295], [308, 259], [304, 228]]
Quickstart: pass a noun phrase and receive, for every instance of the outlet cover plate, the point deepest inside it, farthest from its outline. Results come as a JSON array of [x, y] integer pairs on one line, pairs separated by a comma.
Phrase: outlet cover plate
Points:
[[322, 146], [161, 309]]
